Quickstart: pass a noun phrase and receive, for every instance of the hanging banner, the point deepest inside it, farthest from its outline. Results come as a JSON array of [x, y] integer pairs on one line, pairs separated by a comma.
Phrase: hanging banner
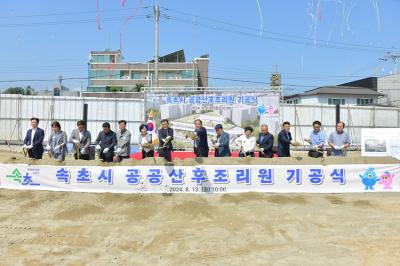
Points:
[[233, 109], [204, 178]]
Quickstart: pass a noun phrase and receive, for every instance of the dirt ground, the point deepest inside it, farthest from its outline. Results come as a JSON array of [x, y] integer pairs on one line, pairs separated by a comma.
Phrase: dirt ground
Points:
[[66, 228]]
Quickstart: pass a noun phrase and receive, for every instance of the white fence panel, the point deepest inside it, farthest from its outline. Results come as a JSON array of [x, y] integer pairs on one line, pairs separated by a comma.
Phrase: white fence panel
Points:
[[355, 118], [16, 112]]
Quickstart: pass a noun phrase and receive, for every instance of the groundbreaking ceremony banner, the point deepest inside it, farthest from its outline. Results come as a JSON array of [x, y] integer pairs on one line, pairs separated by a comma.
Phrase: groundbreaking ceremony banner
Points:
[[204, 178], [233, 109]]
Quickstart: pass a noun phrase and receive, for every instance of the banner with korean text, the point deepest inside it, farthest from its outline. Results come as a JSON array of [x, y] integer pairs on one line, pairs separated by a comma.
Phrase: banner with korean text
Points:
[[233, 109], [203, 179]]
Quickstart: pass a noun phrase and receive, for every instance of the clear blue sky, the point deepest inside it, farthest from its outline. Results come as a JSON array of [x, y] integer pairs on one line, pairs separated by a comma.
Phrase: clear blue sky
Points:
[[43, 39]]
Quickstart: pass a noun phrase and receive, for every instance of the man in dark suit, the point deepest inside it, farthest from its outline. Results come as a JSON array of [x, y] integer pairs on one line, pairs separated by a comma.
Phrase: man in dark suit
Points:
[[284, 140], [265, 142], [200, 142], [105, 143], [34, 139], [221, 142], [165, 136]]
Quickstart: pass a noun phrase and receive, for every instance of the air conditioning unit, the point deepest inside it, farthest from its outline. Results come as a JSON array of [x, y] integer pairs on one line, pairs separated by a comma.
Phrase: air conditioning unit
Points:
[[126, 77], [146, 77]]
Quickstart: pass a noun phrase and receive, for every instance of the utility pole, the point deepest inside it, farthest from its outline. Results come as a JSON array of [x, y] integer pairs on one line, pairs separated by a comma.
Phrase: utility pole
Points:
[[394, 57], [157, 17]]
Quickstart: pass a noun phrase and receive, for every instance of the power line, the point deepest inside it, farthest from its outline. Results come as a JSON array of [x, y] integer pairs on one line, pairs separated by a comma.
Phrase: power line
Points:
[[64, 22], [274, 33], [278, 39], [73, 13], [209, 77]]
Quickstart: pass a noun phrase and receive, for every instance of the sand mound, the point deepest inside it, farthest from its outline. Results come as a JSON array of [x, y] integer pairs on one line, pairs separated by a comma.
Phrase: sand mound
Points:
[[60, 228], [300, 158]]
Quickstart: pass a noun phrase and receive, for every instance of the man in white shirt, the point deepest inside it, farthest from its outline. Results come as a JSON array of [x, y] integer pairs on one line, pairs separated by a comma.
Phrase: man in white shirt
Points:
[[246, 142], [34, 139]]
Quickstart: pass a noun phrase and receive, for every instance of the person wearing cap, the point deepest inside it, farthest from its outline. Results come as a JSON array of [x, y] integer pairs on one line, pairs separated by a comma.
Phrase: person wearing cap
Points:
[[200, 142], [105, 143], [221, 142], [81, 138], [123, 142]]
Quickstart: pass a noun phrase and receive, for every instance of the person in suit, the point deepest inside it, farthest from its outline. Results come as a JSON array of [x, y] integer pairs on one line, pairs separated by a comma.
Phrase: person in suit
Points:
[[34, 139], [221, 142], [165, 135], [57, 142], [200, 142], [105, 143], [81, 138], [123, 142], [284, 140], [265, 142]]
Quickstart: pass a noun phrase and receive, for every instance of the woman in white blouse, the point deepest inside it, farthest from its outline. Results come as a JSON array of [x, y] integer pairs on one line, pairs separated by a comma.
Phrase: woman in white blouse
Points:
[[246, 142], [146, 142]]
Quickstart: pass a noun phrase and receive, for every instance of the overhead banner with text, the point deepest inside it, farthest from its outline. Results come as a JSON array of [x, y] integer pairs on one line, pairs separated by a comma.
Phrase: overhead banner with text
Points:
[[203, 179], [233, 109]]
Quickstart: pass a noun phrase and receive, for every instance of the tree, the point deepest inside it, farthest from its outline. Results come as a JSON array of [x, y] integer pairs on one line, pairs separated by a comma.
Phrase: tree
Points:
[[14, 90], [113, 89], [19, 90], [138, 87]]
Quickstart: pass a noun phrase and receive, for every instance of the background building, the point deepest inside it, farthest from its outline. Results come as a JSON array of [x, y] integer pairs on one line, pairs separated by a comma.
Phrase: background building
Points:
[[107, 72], [174, 111], [58, 90], [390, 87], [343, 95]]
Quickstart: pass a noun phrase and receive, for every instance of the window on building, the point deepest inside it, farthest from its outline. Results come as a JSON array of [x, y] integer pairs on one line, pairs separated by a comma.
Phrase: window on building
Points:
[[136, 75], [105, 74], [334, 101], [170, 75], [364, 101], [102, 59], [293, 101], [188, 74], [124, 74]]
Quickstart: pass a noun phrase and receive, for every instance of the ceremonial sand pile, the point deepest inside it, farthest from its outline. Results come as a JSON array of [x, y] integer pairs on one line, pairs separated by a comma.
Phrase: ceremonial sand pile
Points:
[[66, 228], [15, 156]]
